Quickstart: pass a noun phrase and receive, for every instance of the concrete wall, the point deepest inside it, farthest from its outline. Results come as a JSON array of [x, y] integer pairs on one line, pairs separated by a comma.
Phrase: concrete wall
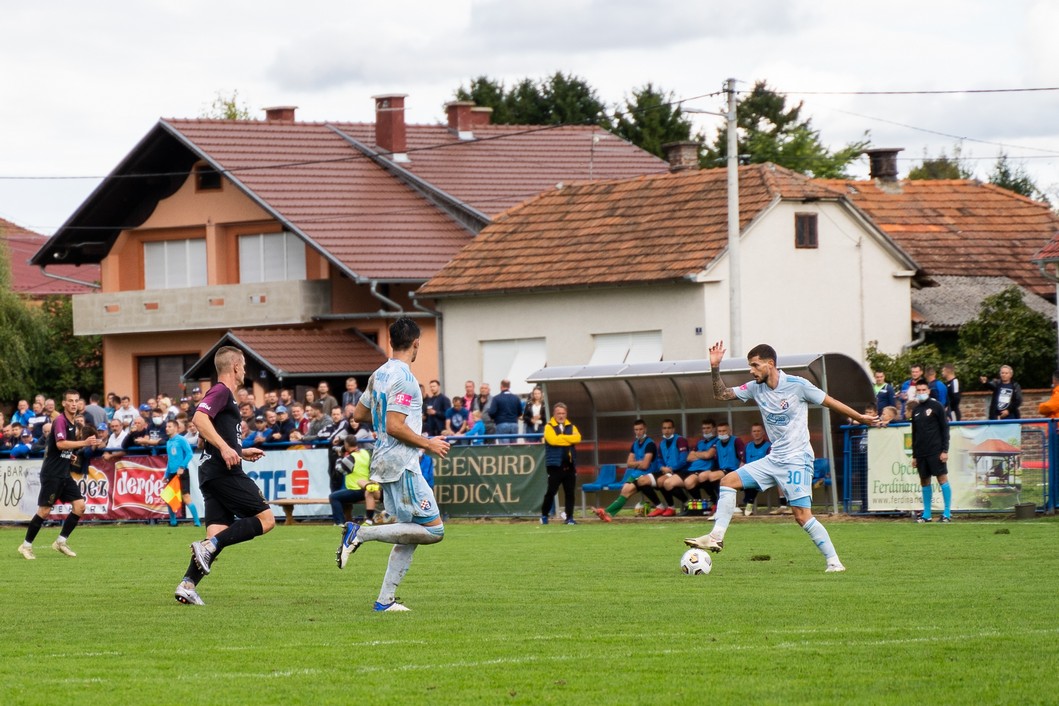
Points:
[[831, 299], [568, 320]]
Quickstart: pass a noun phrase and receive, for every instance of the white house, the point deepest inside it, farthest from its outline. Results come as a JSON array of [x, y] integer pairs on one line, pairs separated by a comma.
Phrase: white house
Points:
[[636, 270]]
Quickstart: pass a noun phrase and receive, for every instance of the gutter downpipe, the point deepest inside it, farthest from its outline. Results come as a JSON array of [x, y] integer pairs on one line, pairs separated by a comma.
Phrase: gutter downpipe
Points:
[[71, 280], [441, 341], [921, 331]]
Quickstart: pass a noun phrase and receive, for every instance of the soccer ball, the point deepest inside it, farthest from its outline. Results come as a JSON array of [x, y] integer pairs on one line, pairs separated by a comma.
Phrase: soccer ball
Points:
[[696, 561]]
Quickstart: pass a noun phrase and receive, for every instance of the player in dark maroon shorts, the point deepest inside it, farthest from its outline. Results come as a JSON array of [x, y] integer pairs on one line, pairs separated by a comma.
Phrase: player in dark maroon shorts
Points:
[[56, 485], [226, 489]]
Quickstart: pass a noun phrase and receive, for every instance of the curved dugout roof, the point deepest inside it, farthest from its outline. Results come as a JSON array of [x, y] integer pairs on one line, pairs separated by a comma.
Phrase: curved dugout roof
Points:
[[685, 384]]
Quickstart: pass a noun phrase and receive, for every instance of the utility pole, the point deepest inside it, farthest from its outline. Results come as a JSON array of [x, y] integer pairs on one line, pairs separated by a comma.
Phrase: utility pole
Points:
[[735, 290]]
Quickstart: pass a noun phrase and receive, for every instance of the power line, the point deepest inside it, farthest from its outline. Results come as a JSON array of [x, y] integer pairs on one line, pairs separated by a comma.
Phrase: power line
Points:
[[951, 136], [963, 91]]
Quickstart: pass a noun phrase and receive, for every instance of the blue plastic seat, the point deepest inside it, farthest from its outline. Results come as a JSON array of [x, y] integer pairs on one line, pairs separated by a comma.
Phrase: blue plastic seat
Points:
[[606, 479]]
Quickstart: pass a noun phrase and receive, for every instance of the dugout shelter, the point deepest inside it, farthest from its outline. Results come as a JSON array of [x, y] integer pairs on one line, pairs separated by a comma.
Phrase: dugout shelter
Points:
[[605, 400]]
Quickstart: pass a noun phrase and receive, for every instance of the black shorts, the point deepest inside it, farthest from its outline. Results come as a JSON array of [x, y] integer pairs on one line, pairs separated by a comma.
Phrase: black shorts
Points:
[[185, 482], [58, 488], [931, 466], [228, 497], [686, 474]]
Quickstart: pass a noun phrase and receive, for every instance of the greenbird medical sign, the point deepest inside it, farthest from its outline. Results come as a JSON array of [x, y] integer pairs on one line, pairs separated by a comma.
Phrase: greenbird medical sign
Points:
[[491, 480]]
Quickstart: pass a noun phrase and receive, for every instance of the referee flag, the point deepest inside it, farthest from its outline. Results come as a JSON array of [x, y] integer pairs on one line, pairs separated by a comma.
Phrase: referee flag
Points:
[[171, 494]]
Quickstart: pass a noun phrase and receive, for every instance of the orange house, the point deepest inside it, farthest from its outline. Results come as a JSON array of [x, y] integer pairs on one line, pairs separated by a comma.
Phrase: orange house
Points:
[[302, 230]]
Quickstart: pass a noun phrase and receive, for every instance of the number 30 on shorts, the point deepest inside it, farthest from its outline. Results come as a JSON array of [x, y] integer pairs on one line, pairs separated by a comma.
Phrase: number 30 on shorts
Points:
[[794, 477]]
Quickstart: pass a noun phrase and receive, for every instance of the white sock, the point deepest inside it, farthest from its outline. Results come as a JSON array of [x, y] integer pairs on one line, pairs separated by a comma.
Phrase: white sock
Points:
[[821, 539], [396, 568], [402, 533], [725, 509]]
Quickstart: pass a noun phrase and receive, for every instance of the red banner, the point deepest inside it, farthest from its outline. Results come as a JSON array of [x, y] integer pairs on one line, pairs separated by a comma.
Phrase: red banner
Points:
[[130, 489]]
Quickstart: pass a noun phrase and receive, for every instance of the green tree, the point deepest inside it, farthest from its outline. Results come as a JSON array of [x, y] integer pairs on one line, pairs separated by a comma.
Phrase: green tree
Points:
[[651, 119], [560, 99], [1007, 332], [225, 107], [770, 131], [896, 367], [20, 332], [71, 362], [1014, 177], [942, 167], [486, 92]]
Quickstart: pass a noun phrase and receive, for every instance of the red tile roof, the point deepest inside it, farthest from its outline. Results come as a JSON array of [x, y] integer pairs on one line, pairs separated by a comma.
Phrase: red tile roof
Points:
[[959, 227], [649, 229], [310, 351], [372, 222], [27, 279], [505, 164]]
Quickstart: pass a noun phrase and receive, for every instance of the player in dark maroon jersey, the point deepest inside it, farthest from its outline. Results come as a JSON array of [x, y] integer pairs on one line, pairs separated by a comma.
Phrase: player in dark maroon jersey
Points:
[[235, 509], [56, 484]]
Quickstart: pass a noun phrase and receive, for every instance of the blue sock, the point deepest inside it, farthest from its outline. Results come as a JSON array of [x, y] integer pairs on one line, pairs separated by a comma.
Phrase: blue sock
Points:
[[821, 538], [194, 513], [172, 517], [928, 498], [946, 494], [725, 510]]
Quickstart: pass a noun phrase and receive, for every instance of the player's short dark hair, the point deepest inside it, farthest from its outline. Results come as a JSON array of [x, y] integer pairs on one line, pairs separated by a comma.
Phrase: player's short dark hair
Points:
[[763, 351], [639, 422], [669, 421], [437, 381], [403, 333], [711, 422], [922, 381], [71, 392]]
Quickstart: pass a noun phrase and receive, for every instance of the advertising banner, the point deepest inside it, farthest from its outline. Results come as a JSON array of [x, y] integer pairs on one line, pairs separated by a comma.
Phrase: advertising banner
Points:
[[126, 490], [503, 480], [987, 470], [297, 472], [491, 480]]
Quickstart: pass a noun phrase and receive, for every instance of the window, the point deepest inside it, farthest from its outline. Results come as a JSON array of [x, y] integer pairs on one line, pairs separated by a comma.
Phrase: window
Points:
[[162, 374], [513, 360], [634, 347], [805, 230], [207, 178], [174, 264], [271, 257]]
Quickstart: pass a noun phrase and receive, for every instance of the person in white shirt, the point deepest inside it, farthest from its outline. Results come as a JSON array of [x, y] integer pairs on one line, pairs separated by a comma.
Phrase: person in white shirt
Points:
[[784, 403]]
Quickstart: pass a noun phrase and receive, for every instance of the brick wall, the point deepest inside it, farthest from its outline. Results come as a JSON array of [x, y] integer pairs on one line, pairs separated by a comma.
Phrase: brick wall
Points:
[[975, 405]]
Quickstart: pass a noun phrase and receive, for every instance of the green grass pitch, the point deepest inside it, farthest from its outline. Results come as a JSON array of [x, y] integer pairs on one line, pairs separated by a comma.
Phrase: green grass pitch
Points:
[[512, 612]]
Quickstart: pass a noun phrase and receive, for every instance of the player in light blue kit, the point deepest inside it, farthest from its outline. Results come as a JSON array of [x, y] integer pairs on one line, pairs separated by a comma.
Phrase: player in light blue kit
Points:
[[784, 403], [393, 403]]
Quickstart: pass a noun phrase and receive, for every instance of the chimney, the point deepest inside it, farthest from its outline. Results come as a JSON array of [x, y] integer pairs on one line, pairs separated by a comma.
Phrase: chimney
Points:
[[480, 115], [682, 156], [459, 113], [883, 162], [389, 125], [280, 114]]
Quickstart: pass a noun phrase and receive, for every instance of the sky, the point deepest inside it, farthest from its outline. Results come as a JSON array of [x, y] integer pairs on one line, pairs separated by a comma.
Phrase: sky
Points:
[[81, 83]]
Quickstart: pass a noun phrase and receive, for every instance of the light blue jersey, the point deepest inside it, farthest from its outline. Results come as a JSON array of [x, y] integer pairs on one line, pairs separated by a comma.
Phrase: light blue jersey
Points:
[[785, 413], [393, 388]]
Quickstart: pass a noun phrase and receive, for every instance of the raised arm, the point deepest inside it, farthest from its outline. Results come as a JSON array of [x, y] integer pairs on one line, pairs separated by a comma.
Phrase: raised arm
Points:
[[720, 392]]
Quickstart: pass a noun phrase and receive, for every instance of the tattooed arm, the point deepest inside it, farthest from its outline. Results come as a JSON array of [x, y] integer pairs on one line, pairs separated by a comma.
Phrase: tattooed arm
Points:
[[720, 392]]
